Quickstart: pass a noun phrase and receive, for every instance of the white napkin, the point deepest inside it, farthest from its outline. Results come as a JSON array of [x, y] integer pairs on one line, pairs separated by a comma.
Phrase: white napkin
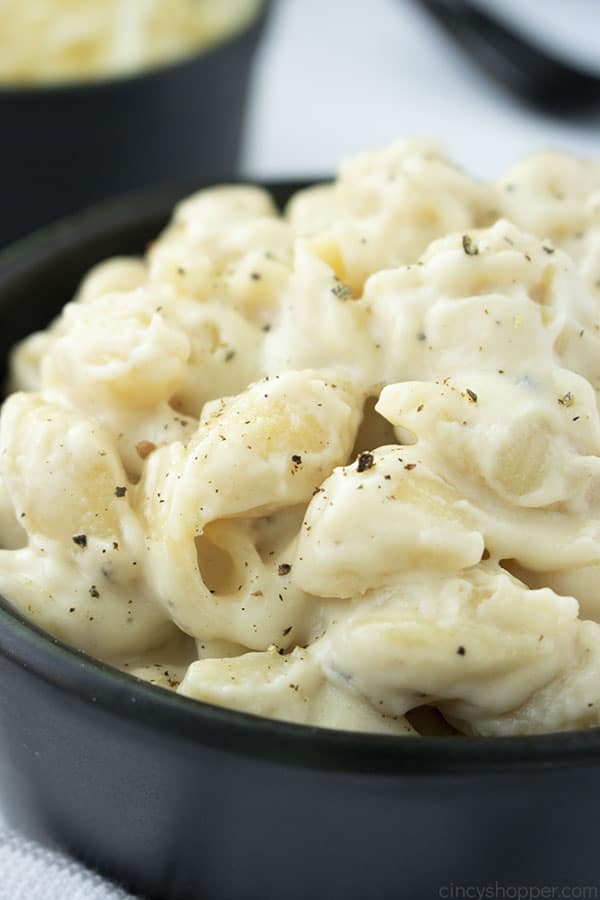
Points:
[[31, 872]]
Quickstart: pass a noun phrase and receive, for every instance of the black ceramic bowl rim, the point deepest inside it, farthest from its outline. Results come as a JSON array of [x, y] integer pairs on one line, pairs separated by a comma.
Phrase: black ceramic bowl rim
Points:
[[62, 87], [80, 676]]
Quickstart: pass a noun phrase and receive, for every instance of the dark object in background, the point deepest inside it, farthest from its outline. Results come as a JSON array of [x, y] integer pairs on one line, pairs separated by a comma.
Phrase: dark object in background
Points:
[[64, 147], [528, 71], [181, 800]]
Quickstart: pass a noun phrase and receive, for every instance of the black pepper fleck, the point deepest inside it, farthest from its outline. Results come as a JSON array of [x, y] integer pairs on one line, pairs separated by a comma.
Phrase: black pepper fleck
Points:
[[566, 399], [365, 461], [469, 246], [284, 569], [120, 491], [80, 540]]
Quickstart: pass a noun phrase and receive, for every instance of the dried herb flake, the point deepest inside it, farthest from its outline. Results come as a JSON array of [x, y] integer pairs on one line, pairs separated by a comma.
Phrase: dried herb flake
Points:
[[469, 245], [341, 291]]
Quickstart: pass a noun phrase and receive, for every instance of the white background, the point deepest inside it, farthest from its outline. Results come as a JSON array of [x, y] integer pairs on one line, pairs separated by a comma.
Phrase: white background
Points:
[[336, 76]]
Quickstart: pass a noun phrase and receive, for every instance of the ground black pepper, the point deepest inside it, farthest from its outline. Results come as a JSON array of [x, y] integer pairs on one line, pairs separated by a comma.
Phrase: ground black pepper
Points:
[[469, 246], [365, 461], [341, 291]]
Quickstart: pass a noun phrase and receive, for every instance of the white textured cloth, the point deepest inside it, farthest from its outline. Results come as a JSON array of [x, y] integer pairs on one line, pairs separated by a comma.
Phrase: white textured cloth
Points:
[[31, 872]]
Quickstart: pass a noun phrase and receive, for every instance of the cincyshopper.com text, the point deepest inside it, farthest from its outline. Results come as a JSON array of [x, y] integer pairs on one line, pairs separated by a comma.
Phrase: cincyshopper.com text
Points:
[[498, 891]]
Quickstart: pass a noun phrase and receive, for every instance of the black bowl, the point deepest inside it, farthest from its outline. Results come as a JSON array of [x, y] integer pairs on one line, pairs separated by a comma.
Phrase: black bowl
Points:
[[65, 146], [179, 799]]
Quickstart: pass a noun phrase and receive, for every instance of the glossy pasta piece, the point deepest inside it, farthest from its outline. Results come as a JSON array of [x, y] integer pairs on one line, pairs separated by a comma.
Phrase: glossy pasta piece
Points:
[[570, 701], [290, 687], [120, 358], [383, 515], [205, 506], [320, 324], [226, 245], [386, 206], [82, 574], [523, 453], [480, 643], [486, 300]]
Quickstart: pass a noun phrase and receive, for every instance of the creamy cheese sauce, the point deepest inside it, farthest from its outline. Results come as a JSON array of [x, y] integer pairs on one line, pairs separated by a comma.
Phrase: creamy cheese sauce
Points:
[[332, 465]]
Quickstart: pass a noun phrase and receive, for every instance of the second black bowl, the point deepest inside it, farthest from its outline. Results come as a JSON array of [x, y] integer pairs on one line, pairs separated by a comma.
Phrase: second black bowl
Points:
[[65, 146]]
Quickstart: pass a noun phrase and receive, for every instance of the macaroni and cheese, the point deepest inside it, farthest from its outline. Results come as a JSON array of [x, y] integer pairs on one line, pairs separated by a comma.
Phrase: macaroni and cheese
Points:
[[65, 40]]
